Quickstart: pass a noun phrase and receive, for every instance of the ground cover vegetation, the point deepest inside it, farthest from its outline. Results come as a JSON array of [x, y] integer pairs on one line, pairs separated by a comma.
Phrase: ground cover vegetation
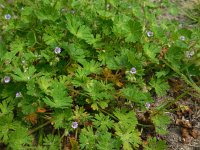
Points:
[[88, 74]]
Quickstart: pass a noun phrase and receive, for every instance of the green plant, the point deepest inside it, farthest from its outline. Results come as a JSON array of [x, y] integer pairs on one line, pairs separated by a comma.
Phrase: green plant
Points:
[[79, 72]]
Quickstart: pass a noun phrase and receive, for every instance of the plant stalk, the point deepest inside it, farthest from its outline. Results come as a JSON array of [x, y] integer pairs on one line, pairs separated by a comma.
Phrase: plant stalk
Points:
[[193, 85], [39, 127]]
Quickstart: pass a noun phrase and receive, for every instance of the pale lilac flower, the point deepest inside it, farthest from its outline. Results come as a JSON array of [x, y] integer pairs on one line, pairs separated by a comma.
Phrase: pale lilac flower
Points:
[[149, 33], [133, 71], [39, 56], [75, 125], [189, 54], [57, 50], [180, 25], [2, 6], [10, 1], [7, 79], [25, 69], [64, 10], [7, 16], [18, 94], [148, 105], [108, 6], [182, 38], [23, 61], [73, 11]]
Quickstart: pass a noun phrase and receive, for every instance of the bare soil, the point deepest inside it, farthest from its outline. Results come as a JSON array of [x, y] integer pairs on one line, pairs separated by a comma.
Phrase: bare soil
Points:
[[175, 138]]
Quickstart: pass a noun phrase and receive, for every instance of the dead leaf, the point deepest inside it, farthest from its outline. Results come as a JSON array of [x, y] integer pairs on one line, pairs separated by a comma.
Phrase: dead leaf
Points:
[[41, 110], [184, 123], [74, 143], [163, 52], [116, 78], [185, 135], [32, 118], [88, 123], [194, 133]]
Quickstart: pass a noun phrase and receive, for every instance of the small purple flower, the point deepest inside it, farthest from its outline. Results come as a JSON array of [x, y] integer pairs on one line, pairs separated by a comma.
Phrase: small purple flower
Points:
[[148, 105], [189, 54], [108, 6], [129, 6], [18, 94], [73, 11], [149, 33], [180, 25], [2, 6], [23, 61], [75, 125], [57, 50], [182, 38], [7, 16], [133, 71], [7, 79]]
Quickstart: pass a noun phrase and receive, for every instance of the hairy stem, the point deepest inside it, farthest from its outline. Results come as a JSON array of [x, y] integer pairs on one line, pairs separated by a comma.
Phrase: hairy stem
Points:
[[39, 127], [112, 116]]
